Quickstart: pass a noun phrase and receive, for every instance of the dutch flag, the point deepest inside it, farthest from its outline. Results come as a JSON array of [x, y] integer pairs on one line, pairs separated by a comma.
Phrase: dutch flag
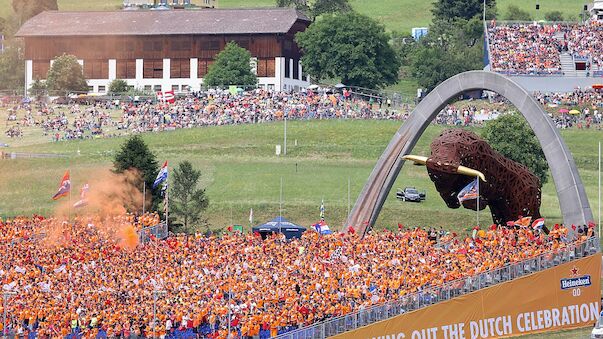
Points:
[[162, 176]]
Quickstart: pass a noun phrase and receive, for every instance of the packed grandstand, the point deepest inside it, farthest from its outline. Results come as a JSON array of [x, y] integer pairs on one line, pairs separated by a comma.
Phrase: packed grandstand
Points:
[[91, 278]]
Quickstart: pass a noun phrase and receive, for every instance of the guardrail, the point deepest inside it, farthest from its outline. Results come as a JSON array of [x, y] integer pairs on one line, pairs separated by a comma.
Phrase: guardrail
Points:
[[432, 295], [16, 155]]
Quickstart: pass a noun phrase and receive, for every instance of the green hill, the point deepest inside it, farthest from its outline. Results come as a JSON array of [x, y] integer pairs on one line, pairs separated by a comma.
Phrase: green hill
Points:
[[398, 15], [241, 171]]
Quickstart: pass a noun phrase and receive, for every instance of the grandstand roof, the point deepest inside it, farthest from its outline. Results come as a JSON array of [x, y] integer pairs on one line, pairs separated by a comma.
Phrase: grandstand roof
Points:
[[173, 22]]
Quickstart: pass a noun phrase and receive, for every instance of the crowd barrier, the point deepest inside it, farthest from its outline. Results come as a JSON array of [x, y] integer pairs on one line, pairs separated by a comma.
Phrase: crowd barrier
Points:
[[432, 295]]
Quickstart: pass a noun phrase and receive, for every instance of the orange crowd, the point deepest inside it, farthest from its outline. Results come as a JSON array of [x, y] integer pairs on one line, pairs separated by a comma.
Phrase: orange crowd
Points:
[[77, 279]]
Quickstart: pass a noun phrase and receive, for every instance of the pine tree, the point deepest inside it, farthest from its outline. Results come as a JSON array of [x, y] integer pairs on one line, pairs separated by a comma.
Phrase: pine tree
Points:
[[188, 201], [136, 155]]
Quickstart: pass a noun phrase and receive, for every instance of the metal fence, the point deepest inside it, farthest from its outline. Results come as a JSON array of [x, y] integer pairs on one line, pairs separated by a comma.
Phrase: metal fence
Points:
[[433, 295], [159, 231]]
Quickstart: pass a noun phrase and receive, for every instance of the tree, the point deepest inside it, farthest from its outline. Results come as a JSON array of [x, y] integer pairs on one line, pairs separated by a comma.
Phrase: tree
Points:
[[66, 74], [321, 7], [12, 66], [511, 136], [553, 16], [118, 86], [450, 48], [188, 201], [318, 7], [25, 9], [231, 68], [351, 47], [518, 14], [463, 9], [135, 155], [37, 89]]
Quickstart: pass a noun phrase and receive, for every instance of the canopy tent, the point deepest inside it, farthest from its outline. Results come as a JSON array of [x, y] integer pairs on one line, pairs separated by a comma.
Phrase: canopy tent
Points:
[[280, 225]]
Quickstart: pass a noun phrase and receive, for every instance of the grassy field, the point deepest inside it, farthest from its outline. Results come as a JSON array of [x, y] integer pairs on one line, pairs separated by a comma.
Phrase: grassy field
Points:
[[241, 171], [398, 15]]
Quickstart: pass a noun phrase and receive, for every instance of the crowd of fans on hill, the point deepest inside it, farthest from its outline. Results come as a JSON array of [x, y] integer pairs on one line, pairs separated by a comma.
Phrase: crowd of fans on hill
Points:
[[534, 48], [78, 121], [216, 109], [79, 279]]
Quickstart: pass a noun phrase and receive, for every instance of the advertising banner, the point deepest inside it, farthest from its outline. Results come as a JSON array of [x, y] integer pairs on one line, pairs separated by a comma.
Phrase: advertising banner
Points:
[[564, 297]]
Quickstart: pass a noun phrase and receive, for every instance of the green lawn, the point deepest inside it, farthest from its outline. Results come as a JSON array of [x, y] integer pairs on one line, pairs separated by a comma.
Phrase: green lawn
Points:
[[241, 171], [398, 15]]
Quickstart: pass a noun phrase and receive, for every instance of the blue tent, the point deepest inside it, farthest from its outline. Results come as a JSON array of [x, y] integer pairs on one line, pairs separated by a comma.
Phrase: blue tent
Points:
[[280, 225]]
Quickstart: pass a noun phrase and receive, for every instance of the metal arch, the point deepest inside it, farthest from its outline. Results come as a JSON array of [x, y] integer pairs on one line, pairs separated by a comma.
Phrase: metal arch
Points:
[[573, 201]]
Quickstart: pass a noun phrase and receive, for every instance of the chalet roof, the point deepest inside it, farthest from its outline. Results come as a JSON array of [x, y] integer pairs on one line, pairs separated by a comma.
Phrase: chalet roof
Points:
[[172, 22]]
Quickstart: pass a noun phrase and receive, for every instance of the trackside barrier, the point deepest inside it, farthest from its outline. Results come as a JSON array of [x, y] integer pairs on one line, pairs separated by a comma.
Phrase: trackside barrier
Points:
[[432, 295]]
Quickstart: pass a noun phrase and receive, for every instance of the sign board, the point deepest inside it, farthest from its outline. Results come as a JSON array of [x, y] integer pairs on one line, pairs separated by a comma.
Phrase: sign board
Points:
[[564, 297]]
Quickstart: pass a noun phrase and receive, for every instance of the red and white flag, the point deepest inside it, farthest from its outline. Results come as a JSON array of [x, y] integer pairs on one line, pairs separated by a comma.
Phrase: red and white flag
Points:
[[167, 96]]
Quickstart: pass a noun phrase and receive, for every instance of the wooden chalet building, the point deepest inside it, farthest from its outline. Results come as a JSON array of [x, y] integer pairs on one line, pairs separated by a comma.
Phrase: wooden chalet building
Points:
[[165, 50]]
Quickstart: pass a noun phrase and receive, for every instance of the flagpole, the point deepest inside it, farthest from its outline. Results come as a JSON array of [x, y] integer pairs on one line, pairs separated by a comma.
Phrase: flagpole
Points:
[[599, 189], [348, 215], [144, 195], [477, 201], [280, 207]]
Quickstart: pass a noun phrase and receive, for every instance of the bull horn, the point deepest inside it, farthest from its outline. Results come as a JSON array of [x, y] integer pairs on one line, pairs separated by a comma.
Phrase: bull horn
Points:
[[471, 172], [417, 159]]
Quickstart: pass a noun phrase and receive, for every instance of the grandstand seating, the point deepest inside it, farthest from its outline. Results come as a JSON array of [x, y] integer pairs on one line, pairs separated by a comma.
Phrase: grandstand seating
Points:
[[546, 49]]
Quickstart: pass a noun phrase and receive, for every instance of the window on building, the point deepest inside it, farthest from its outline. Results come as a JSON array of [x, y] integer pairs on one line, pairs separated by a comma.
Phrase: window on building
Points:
[[157, 88], [102, 89], [40, 69], [147, 88], [152, 46], [242, 42], [176, 88], [180, 68], [210, 45], [126, 69], [153, 69], [271, 87], [180, 45], [90, 89], [96, 69], [203, 67], [296, 69], [287, 68]]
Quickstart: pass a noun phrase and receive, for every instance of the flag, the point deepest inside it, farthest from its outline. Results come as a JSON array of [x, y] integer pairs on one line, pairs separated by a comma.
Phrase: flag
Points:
[[166, 96], [538, 223], [322, 209], [162, 176], [64, 187], [523, 222], [82, 202], [469, 192], [251, 216], [322, 228]]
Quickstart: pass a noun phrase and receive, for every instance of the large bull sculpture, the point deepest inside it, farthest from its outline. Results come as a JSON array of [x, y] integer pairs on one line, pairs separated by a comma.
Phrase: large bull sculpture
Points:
[[507, 187]]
